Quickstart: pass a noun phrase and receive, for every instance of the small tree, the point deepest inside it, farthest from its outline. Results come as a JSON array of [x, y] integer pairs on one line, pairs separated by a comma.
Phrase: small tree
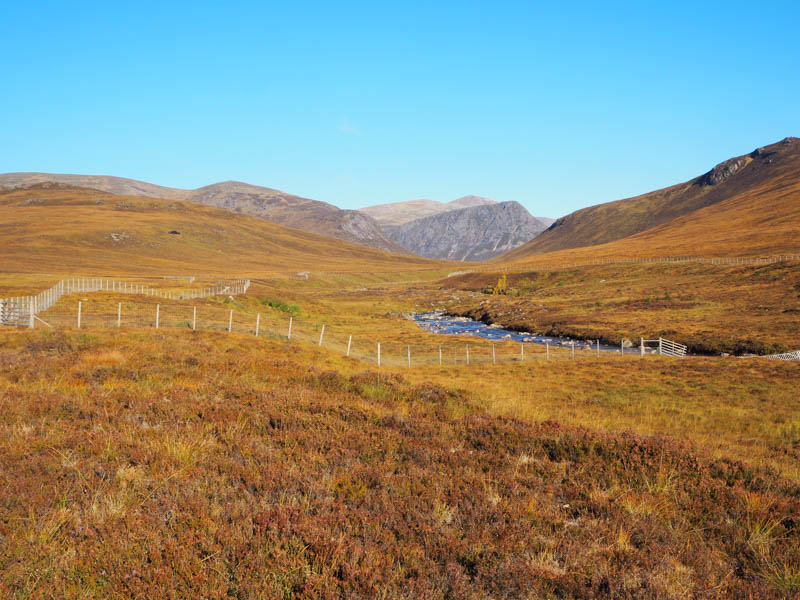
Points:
[[502, 285]]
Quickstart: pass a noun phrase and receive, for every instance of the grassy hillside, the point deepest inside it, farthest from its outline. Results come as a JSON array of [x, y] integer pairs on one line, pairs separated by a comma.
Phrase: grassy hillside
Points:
[[274, 205], [711, 308], [178, 465], [61, 230], [767, 176]]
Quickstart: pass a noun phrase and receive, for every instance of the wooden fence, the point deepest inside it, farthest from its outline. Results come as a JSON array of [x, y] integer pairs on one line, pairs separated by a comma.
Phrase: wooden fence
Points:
[[665, 347]]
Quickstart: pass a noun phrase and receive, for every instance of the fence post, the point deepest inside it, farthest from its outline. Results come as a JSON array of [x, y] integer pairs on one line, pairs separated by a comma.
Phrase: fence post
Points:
[[598, 348], [258, 322], [321, 334], [409, 356], [379, 354], [522, 353], [289, 336], [660, 344], [641, 346], [573, 350], [547, 350], [467, 354], [79, 314], [622, 346], [119, 315], [349, 341], [494, 360], [31, 309], [194, 318], [230, 321], [158, 309]]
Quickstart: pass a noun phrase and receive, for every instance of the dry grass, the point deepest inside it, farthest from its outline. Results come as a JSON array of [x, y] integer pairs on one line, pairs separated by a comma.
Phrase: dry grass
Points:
[[210, 241], [176, 464], [753, 212], [711, 308]]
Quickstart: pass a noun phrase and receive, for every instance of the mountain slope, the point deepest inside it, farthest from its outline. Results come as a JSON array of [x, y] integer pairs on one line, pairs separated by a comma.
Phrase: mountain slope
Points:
[[616, 220], [294, 211], [395, 214], [273, 205], [469, 234], [51, 228], [762, 220]]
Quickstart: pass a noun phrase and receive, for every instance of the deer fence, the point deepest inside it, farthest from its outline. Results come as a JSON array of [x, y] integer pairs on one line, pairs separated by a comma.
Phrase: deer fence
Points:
[[23, 310]]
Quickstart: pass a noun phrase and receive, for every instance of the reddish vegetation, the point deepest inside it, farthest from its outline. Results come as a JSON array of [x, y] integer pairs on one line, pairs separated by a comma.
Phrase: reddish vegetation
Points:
[[180, 465]]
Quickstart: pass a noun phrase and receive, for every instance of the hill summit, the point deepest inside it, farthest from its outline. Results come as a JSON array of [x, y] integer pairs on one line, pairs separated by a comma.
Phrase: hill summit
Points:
[[273, 205]]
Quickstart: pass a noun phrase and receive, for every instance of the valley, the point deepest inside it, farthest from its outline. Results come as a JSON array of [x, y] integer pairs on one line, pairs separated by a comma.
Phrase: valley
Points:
[[306, 438]]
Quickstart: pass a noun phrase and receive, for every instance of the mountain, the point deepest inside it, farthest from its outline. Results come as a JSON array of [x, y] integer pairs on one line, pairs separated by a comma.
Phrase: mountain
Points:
[[742, 177], [276, 206], [294, 211], [60, 229], [759, 217], [469, 234], [397, 213]]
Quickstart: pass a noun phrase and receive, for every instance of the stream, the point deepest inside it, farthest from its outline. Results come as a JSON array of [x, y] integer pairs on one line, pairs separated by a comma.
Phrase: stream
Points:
[[438, 322]]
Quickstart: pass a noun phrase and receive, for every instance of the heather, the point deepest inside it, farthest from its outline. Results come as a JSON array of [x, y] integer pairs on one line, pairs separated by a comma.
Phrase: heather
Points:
[[180, 464]]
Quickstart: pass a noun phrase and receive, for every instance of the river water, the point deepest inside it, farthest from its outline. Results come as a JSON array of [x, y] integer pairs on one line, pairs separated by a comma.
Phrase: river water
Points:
[[437, 322]]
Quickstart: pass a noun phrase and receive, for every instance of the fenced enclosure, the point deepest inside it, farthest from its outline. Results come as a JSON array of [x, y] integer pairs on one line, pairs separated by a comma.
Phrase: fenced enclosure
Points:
[[22, 311], [729, 261], [786, 356], [665, 347], [224, 312]]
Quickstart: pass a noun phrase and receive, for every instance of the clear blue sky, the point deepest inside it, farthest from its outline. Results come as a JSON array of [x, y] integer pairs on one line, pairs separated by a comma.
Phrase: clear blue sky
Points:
[[557, 107]]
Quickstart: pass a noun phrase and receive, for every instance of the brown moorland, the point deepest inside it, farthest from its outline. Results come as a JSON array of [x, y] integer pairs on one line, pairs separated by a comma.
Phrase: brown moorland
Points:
[[64, 230], [711, 308], [274, 205], [743, 408], [176, 464], [760, 215]]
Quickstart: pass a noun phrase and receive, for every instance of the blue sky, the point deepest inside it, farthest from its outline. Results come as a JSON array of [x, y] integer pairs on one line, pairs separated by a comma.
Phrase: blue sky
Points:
[[557, 106]]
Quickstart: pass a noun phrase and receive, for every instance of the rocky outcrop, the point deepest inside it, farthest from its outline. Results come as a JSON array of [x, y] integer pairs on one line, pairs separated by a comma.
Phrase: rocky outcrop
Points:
[[722, 171], [469, 234], [395, 214], [611, 221]]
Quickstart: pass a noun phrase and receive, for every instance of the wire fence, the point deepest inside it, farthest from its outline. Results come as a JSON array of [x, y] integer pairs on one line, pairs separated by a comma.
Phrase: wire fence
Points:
[[740, 260], [22, 310], [400, 348], [786, 356]]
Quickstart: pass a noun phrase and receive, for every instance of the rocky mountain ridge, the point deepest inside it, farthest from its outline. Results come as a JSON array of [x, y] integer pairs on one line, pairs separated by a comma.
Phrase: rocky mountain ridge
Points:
[[475, 233], [394, 214]]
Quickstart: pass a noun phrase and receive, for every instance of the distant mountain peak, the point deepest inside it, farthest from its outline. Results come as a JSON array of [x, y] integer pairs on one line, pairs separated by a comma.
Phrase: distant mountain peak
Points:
[[471, 200], [473, 233]]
